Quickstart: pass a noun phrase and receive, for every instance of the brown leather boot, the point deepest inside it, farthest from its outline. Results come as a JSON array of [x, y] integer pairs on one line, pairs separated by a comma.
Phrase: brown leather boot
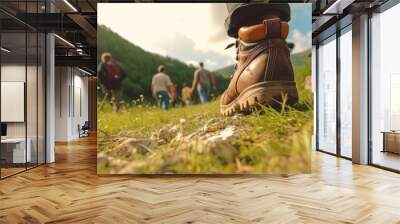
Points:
[[263, 74]]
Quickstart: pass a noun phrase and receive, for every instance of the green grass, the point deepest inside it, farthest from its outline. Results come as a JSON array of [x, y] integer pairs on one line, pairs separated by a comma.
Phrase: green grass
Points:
[[141, 120], [269, 141]]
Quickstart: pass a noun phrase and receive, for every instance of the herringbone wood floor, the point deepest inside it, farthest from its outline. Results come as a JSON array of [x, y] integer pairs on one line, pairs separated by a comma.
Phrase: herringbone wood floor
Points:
[[69, 191]]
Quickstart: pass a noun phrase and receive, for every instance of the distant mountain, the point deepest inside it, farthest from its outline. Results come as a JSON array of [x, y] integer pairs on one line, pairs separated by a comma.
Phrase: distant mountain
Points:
[[226, 71], [141, 65], [297, 60], [300, 58]]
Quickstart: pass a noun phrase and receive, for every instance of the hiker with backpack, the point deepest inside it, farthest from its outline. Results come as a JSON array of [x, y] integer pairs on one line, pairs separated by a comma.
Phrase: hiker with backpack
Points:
[[110, 76], [203, 82]]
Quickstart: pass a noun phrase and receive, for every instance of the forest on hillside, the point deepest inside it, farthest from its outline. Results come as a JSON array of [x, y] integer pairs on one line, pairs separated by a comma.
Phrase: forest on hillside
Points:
[[141, 65]]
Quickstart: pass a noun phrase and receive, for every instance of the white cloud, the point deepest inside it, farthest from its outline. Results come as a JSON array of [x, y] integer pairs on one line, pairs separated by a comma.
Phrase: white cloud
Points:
[[183, 31], [191, 62], [301, 41], [188, 32], [211, 63]]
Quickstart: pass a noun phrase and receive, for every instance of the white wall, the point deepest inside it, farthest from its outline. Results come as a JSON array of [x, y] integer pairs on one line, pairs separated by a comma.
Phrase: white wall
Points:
[[71, 102], [33, 127], [16, 73], [61, 103]]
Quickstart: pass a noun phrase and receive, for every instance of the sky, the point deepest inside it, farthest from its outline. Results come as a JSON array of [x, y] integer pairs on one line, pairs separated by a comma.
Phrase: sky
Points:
[[190, 32]]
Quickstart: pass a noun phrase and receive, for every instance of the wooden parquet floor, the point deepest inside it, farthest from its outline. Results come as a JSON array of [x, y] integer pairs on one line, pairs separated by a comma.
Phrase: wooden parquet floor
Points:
[[69, 191]]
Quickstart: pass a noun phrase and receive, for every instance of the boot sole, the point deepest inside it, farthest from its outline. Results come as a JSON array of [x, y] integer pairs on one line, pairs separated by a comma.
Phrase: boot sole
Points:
[[263, 93]]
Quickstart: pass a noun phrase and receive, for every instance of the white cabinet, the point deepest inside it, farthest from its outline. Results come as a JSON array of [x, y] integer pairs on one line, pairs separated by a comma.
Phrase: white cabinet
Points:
[[17, 145]]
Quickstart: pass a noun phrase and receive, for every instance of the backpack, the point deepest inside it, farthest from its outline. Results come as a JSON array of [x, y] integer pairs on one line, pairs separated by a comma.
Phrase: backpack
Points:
[[113, 76], [113, 71]]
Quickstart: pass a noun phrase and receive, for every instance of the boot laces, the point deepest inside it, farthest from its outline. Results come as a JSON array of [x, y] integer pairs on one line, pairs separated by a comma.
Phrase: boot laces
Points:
[[237, 43]]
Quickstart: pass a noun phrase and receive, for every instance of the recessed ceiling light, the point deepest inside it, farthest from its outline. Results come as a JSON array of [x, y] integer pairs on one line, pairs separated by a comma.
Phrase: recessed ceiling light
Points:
[[5, 50], [70, 5], [338, 6], [64, 40], [84, 71]]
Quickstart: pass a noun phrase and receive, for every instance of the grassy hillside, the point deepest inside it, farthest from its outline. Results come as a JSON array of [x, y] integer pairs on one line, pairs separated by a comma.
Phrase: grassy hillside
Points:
[[302, 68], [226, 71], [198, 139], [141, 65], [301, 58]]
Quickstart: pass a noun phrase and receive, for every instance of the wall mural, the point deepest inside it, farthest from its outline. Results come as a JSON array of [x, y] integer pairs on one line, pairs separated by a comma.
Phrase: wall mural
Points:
[[204, 88]]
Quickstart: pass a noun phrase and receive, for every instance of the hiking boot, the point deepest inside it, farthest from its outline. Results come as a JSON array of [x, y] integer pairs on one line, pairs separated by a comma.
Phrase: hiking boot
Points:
[[263, 73]]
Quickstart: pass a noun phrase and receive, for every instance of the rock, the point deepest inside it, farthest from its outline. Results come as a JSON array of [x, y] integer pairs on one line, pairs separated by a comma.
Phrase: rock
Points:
[[224, 135], [174, 128], [163, 133], [237, 117], [153, 137], [178, 137], [132, 146], [224, 150], [168, 132], [213, 125], [220, 143]]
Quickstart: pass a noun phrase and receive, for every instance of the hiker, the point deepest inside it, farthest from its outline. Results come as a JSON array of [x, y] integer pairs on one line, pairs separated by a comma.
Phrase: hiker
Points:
[[174, 97], [203, 82], [161, 87], [186, 94], [110, 76], [263, 72]]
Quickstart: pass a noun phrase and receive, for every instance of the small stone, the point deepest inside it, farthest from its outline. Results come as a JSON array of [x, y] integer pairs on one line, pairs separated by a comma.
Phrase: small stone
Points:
[[213, 125], [178, 137], [168, 132], [132, 146]]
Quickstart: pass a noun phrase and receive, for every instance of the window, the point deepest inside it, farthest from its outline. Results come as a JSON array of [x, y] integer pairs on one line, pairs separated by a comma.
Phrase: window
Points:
[[346, 95], [22, 79], [385, 89], [327, 96]]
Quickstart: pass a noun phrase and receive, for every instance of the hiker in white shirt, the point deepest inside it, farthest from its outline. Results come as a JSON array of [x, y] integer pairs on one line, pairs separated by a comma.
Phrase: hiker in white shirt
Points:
[[160, 87]]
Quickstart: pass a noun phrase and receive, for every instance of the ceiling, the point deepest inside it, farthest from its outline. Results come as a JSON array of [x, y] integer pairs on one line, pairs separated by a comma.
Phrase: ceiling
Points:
[[328, 15], [75, 22]]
